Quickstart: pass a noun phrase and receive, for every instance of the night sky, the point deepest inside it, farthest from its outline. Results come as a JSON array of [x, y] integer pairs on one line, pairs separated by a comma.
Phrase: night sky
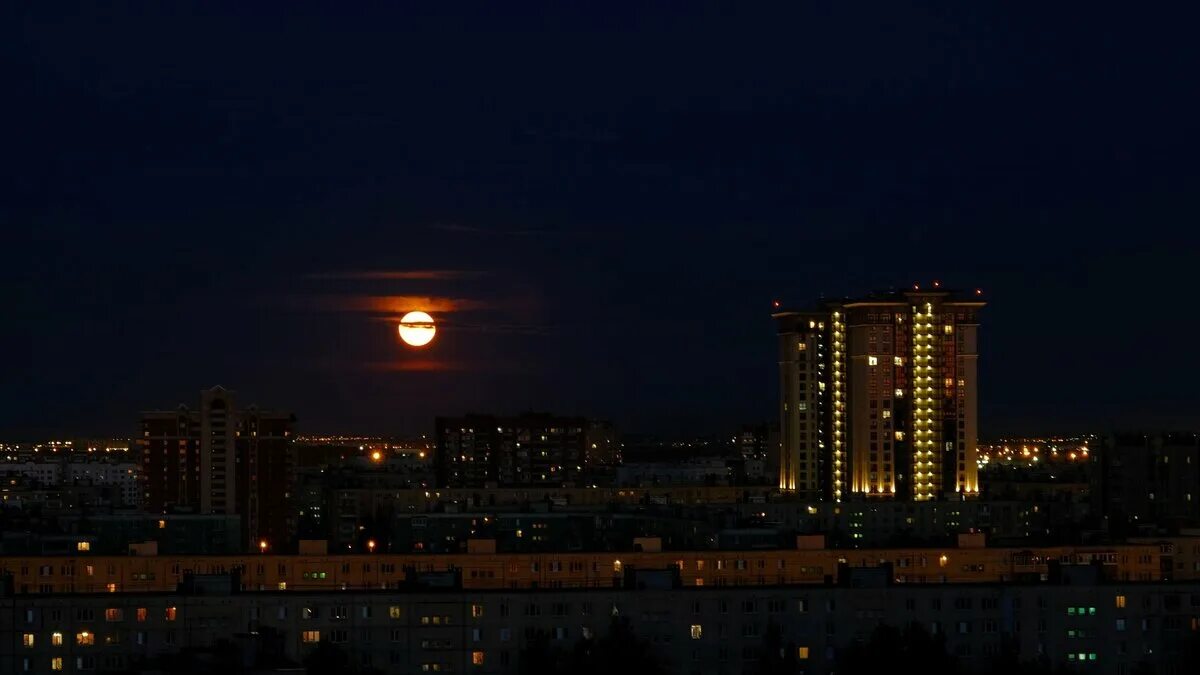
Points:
[[598, 204]]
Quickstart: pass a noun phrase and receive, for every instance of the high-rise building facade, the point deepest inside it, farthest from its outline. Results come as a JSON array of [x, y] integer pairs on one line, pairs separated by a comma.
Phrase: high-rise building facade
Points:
[[221, 460], [170, 444], [879, 397], [529, 449]]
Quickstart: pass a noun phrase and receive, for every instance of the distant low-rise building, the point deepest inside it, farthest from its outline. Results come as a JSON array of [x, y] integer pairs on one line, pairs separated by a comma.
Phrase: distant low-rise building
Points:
[[74, 469], [698, 471], [531, 449], [1148, 480]]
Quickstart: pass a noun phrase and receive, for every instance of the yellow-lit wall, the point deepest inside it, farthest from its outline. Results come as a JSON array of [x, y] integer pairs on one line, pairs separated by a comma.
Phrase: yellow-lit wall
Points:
[[567, 570]]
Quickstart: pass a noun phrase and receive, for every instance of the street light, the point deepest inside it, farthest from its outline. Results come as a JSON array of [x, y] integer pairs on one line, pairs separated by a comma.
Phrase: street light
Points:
[[262, 546], [371, 545]]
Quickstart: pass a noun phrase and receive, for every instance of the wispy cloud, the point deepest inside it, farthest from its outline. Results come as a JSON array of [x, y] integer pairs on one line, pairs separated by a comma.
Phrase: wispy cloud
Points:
[[415, 366], [472, 327], [454, 227], [433, 365], [403, 275], [504, 232], [386, 304]]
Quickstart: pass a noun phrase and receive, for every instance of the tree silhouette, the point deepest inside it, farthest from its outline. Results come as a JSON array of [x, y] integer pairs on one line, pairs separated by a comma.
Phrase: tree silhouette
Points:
[[889, 645], [326, 658], [619, 650], [540, 656], [777, 658]]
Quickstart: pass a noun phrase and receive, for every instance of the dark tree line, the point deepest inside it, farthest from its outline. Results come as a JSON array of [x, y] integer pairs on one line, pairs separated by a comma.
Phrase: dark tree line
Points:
[[620, 650]]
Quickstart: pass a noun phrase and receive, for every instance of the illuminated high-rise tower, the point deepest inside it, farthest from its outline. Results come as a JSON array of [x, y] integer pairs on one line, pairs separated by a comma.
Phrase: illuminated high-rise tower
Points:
[[879, 397]]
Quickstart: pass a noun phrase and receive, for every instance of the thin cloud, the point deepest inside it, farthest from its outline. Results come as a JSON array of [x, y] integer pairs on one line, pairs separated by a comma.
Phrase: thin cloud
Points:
[[471, 229], [415, 366], [496, 328], [432, 365], [452, 227], [387, 304], [406, 275]]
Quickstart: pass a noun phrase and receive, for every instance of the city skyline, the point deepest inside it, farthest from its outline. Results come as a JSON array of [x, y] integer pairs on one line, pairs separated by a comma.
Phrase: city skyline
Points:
[[696, 338]]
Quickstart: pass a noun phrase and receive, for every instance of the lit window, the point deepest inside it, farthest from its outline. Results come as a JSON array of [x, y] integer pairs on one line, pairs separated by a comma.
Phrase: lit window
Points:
[[113, 614], [802, 653], [899, 435], [27, 640], [899, 393], [898, 360], [162, 524], [170, 614], [56, 639], [83, 546], [310, 636], [89, 570], [112, 588], [802, 345], [887, 414], [141, 613], [394, 612], [283, 585], [1120, 602], [872, 360], [476, 611], [949, 329], [56, 663], [477, 658], [85, 639], [616, 565]]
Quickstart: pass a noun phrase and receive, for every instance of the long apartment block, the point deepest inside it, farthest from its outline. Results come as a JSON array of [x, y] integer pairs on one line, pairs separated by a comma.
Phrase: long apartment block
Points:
[[1088, 625], [1167, 559]]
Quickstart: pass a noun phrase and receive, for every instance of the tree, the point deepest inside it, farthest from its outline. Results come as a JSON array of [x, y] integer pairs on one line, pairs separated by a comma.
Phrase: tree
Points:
[[889, 645], [326, 658], [620, 650], [777, 657]]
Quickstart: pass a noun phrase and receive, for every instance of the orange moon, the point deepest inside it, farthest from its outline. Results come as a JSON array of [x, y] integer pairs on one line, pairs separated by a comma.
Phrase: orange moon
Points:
[[417, 329]]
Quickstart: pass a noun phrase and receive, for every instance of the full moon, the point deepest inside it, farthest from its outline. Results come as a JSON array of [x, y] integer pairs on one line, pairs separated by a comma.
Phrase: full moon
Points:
[[417, 329]]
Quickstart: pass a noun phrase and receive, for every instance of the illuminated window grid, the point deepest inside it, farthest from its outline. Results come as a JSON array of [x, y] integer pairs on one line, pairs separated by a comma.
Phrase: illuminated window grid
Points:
[[838, 360], [923, 413]]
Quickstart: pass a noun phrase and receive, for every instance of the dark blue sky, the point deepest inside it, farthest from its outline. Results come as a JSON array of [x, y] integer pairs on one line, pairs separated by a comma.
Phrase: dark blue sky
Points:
[[611, 198]]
